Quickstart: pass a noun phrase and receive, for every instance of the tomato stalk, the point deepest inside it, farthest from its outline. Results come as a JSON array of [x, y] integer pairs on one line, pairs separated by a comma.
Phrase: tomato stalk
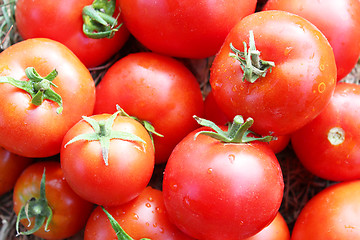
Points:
[[103, 133], [250, 61], [38, 87], [98, 20], [120, 233], [238, 131], [37, 208]]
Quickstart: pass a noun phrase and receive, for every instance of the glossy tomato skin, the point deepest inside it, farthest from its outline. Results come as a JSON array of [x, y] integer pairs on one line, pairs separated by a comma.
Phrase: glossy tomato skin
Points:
[[219, 191], [213, 112], [37, 131], [62, 21], [155, 88], [187, 29], [331, 214], [328, 146], [298, 87], [70, 211], [11, 166], [276, 230], [145, 216], [327, 16], [128, 171]]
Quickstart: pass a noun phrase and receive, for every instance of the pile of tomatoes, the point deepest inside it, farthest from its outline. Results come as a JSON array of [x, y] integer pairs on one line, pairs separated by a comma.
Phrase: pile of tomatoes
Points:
[[81, 157]]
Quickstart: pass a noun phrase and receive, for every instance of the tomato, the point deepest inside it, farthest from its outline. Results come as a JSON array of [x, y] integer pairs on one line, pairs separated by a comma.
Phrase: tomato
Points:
[[331, 214], [328, 146], [213, 112], [145, 216], [276, 230], [295, 80], [219, 190], [62, 21], [157, 89], [11, 166], [114, 165], [69, 211], [28, 126], [326, 15], [187, 28]]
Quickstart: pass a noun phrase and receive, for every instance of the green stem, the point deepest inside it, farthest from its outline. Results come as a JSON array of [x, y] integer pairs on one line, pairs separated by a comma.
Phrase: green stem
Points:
[[38, 87], [98, 19], [250, 62], [38, 209], [238, 131]]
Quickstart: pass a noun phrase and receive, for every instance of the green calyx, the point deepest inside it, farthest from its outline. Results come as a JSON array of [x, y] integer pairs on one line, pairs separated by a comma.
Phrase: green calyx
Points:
[[103, 133], [250, 61], [120, 233], [98, 19], [38, 209], [238, 131], [38, 87]]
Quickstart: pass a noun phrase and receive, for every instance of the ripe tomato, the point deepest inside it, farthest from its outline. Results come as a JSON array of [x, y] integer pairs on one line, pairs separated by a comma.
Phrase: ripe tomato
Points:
[[331, 214], [294, 91], [11, 166], [37, 131], [62, 21], [276, 230], [280, 143], [157, 89], [329, 146], [338, 20], [217, 190], [187, 28], [69, 211], [145, 216], [113, 176]]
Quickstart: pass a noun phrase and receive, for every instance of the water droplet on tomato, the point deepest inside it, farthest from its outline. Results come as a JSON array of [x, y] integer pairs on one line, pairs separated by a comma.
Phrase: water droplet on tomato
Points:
[[321, 87], [148, 205], [209, 170], [174, 187], [135, 216], [321, 67], [231, 158], [151, 199]]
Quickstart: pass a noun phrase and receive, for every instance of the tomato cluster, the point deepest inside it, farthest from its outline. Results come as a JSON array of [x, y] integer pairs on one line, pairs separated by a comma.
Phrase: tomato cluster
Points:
[[81, 156]]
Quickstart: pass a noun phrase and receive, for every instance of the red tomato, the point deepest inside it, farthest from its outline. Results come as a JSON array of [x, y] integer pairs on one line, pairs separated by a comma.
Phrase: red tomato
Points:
[[62, 21], [117, 180], [187, 28], [157, 89], [338, 20], [217, 190], [329, 146], [11, 166], [331, 214], [37, 131], [276, 230], [213, 112], [145, 216], [70, 212], [296, 89]]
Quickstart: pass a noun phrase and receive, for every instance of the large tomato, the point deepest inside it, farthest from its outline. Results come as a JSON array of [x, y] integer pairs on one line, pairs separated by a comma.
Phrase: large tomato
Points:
[[290, 84], [11, 166], [145, 216], [329, 146], [69, 211], [332, 214], [222, 190], [187, 28], [338, 20], [107, 159], [155, 88], [34, 122], [62, 21]]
